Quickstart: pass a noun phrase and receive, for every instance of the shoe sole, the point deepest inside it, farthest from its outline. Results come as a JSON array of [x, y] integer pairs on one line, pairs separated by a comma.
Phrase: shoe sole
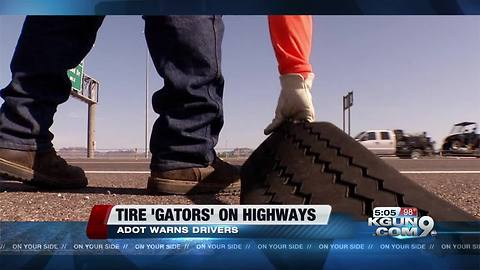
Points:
[[14, 171], [318, 163], [179, 187]]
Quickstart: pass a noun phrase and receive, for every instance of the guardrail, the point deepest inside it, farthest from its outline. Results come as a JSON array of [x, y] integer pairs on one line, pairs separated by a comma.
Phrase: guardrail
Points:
[[135, 153]]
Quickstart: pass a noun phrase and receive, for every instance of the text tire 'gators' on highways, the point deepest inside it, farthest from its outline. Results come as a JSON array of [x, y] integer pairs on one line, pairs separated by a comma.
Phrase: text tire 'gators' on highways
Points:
[[317, 163]]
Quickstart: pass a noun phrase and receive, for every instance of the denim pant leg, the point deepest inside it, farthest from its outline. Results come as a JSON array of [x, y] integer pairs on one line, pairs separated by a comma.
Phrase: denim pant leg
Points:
[[48, 46], [186, 51]]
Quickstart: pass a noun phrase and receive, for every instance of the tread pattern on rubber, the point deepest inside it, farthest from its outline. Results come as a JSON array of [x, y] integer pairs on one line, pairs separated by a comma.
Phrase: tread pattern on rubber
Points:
[[317, 163]]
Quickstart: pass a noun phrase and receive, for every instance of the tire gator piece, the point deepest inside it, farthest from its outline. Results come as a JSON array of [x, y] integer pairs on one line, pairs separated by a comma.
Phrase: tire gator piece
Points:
[[317, 163]]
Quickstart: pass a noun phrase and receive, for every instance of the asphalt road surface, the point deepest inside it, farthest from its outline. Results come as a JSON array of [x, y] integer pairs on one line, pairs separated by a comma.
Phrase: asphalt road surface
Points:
[[124, 182]]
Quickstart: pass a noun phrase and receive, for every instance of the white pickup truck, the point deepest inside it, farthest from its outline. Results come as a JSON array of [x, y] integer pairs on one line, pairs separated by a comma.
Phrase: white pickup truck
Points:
[[380, 142], [395, 142]]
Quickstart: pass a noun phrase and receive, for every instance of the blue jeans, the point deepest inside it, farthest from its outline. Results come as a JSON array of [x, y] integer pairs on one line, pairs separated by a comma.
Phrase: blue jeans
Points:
[[186, 52]]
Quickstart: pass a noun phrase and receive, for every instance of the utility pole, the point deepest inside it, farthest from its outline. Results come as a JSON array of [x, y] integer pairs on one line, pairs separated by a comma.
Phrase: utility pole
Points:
[[146, 102], [347, 104], [343, 114]]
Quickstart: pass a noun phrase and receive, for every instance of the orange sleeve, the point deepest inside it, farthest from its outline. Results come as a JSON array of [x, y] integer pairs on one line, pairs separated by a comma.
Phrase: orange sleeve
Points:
[[292, 42]]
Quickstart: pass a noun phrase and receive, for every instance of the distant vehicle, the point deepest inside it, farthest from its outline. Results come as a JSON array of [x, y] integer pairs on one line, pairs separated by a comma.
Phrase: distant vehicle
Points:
[[463, 140], [396, 142]]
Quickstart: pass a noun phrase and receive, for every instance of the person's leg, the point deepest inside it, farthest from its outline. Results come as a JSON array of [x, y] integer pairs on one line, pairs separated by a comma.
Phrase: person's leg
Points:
[[186, 52], [48, 46], [291, 38]]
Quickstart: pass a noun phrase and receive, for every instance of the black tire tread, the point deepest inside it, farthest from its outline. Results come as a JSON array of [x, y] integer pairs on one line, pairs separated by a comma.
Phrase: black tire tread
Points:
[[317, 163]]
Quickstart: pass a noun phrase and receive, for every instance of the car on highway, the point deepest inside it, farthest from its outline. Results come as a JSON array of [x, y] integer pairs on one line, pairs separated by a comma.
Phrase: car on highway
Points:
[[396, 142], [463, 140]]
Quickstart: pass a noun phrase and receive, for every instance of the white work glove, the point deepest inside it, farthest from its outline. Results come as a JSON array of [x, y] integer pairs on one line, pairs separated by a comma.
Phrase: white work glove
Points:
[[295, 101]]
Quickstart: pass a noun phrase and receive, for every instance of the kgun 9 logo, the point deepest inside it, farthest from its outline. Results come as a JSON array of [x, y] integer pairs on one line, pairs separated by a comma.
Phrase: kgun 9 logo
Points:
[[392, 223]]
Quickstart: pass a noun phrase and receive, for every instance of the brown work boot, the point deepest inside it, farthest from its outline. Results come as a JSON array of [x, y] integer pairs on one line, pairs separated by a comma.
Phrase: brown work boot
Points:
[[44, 168], [220, 177]]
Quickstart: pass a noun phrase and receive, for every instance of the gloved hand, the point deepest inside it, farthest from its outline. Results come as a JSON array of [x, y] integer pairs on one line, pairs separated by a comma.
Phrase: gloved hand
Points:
[[295, 101]]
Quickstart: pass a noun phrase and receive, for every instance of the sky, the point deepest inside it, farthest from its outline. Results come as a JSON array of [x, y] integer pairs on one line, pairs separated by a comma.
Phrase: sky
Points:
[[416, 73]]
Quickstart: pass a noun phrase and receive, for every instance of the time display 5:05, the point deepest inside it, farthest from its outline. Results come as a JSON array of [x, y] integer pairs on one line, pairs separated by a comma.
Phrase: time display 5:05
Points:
[[395, 212]]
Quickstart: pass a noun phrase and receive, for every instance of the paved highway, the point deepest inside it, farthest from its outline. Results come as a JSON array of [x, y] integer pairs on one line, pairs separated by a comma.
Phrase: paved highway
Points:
[[124, 182], [438, 165]]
